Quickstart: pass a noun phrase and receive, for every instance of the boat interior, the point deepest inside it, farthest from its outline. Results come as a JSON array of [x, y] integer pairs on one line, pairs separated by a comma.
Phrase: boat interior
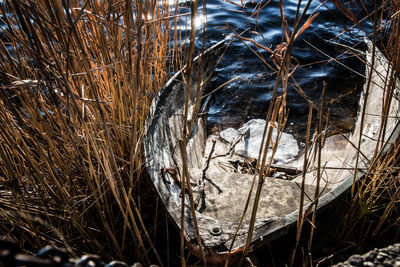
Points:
[[222, 179]]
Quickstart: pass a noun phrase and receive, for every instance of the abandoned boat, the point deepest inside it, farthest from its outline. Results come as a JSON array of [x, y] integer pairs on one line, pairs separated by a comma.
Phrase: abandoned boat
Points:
[[220, 191]]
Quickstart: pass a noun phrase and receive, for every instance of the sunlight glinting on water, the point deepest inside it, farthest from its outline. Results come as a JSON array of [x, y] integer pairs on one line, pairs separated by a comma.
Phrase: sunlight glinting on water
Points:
[[199, 21]]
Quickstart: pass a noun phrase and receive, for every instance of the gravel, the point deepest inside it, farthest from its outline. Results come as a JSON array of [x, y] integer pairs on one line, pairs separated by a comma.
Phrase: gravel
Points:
[[389, 256]]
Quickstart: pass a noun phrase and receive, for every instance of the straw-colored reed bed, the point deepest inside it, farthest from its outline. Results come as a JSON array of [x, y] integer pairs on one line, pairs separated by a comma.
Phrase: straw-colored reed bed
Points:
[[76, 86], [77, 83]]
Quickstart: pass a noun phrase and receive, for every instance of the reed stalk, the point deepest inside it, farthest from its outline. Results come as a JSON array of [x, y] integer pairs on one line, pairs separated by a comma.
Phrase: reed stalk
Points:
[[78, 78], [320, 136], [187, 129], [302, 215], [284, 66], [371, 213]]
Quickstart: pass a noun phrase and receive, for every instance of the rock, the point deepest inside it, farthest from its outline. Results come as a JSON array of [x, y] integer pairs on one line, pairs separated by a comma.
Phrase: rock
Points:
[[395, 249], [249, 146], [391, 250], [371, 256], [387, 263], [389, 256], [356, 260], [382, 256]]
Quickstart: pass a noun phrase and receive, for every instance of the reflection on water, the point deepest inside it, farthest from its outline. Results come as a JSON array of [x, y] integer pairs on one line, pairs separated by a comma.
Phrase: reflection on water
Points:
[[248, 97]]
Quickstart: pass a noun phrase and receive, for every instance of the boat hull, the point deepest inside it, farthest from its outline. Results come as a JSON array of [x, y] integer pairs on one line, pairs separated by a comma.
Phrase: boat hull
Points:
[[218, 220]]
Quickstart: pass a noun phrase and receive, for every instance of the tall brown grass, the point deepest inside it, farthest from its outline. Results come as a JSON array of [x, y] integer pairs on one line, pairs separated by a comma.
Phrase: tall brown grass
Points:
[[373, 216], [77, 80], [372, 212], [370, 216]]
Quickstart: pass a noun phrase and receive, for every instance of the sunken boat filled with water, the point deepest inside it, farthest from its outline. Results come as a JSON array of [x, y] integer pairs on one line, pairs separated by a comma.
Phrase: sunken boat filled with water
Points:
[[223, 174]]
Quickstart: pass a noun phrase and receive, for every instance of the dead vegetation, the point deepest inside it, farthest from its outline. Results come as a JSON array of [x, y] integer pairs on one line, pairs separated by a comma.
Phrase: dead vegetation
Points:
[[77, 80]]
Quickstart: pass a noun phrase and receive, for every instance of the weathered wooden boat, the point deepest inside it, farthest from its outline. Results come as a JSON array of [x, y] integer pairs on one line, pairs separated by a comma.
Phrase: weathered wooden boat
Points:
[[220, 191]]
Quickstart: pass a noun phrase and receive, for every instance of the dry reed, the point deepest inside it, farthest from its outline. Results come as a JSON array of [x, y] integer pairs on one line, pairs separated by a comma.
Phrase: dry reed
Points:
[[370, 217], [373, 208], [77, 80]]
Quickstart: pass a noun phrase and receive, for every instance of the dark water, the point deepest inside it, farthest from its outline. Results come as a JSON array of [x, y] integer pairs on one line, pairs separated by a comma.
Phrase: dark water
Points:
[[248, 96]]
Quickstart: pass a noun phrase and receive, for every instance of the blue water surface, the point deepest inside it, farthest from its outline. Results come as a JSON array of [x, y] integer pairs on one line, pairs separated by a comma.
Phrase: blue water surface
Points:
[[319, 52]]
